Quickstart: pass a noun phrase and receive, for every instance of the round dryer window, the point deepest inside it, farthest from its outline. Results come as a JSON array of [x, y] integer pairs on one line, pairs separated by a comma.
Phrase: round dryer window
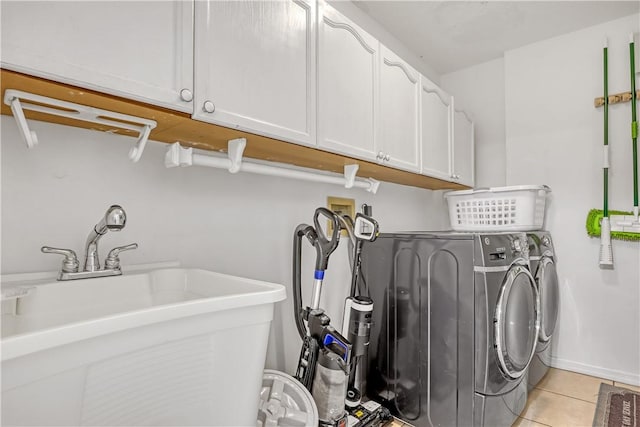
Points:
[[516, 322], [547, 280]]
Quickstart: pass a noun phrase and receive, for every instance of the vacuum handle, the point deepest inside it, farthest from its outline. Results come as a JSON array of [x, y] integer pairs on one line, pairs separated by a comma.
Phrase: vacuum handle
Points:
[[325, 245], [366, 228], [336, 343], [326, 335]]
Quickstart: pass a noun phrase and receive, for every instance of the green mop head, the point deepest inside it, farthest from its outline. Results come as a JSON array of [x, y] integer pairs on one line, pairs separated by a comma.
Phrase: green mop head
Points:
[[593, 225]]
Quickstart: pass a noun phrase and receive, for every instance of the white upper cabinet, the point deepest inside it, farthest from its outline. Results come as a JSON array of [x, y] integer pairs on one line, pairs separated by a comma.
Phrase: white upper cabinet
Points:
[[436, 115], [463, 149], [347, 85], [255, 67], [139, 50], [399, 113]]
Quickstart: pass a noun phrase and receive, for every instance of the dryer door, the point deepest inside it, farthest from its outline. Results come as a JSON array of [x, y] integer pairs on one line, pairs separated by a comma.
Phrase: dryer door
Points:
[[516, 322], [547, 280]]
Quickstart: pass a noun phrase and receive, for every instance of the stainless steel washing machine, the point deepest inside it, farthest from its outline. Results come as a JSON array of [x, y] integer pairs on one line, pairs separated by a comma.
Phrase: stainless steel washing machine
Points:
[[455, 325], [542, 261]]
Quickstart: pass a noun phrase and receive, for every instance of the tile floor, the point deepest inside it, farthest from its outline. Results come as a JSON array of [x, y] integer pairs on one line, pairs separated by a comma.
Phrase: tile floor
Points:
[[561, 399]]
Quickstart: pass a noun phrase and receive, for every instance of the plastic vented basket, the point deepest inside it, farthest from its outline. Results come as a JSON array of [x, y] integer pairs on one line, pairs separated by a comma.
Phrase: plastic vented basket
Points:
[[516, 208]]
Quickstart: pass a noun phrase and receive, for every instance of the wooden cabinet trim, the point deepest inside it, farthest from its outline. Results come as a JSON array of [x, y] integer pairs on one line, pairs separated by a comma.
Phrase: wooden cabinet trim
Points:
[[175, 126]]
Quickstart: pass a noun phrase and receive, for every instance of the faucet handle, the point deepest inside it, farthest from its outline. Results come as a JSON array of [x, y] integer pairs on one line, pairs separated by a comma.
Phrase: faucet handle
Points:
[[70, 263], [113, 260]]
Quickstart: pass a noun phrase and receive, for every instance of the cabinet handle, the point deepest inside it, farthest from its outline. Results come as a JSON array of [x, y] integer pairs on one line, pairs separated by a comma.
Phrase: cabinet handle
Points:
[[208, 107], [186, 95], [380, 156], [456, 177], [387, 157]]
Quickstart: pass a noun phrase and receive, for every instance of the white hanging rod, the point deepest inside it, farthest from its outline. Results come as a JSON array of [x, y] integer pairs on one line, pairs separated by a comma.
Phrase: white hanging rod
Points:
[[19, 101], [180, 156]]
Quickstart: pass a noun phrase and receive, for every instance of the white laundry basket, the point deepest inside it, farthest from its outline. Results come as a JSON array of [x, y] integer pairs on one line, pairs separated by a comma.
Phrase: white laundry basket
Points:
[[516, 208]]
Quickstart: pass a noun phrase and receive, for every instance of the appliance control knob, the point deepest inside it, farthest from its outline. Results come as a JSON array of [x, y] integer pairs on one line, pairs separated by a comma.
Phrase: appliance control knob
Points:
[[208, 107], [186, 95], [516, 245]]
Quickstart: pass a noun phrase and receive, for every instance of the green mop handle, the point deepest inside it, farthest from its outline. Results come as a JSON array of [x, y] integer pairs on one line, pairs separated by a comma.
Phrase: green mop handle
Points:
[[606, 130], [634, 124]]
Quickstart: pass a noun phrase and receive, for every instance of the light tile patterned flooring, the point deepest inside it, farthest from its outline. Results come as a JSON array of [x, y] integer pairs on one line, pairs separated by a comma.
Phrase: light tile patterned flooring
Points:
[[561, 399]]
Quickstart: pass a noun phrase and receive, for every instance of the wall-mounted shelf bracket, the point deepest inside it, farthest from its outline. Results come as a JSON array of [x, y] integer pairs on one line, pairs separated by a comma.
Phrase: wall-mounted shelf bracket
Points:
[[179, 156], [20, 101]]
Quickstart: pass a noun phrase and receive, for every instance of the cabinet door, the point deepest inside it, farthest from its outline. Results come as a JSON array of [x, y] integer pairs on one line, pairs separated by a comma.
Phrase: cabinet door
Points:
[[463, 149], [436, 115], [139, 50], [255, 67], [399, 112], [347, 85]]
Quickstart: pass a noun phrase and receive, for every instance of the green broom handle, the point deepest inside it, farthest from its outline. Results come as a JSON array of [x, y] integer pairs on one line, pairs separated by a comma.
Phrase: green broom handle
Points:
[[634, 120], [606, 129]]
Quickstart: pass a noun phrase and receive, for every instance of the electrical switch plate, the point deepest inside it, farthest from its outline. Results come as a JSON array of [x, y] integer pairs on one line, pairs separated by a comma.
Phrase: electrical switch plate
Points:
[[341, 206]]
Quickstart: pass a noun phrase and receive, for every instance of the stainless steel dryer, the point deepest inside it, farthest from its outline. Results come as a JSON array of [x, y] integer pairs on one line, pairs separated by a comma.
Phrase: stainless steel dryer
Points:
[[455, 325], [543, 267]]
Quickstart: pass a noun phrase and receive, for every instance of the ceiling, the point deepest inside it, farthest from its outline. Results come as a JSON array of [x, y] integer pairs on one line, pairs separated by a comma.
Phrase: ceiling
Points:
[[451, 35]]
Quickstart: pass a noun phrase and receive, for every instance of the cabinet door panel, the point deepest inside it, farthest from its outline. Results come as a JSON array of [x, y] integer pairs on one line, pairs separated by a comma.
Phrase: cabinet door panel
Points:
[[436, 115], [347, 91], [136, 49], [399, 108], [255, 61], [463, 149]]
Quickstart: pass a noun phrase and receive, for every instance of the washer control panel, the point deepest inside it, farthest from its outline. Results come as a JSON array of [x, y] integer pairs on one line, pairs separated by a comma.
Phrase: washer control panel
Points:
[[503, 249]]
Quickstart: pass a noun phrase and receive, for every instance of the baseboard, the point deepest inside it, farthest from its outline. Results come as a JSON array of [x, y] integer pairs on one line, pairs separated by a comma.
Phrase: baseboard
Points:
[[596, 371]]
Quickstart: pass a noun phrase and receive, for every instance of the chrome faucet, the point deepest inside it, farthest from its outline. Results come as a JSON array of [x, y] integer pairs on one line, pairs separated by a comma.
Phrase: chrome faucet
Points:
[[114, 219]]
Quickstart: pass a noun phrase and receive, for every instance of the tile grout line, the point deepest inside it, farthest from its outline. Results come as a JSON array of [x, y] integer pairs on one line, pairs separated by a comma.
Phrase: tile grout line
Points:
[[566, 395], [534, 421]]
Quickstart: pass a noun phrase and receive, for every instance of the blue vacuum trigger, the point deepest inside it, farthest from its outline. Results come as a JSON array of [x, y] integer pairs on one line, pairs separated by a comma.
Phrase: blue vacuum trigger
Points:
[[337, 346]]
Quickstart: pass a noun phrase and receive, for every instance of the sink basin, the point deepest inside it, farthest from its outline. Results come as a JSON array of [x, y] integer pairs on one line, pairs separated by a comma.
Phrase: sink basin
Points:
[[162, 347]]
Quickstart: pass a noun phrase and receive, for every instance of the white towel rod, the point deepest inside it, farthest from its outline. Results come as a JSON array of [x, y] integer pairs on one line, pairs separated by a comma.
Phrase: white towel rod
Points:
[[180, 156], [19, 101]]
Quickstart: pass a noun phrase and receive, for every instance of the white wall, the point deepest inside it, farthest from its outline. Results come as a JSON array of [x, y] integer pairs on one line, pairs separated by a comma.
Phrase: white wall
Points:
[[238, 224], [479, 90], [554, 136]]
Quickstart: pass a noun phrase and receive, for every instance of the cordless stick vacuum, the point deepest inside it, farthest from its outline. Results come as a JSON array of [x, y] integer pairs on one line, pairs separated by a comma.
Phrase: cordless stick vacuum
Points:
[[323, 366], [358, 309], [356, 326]]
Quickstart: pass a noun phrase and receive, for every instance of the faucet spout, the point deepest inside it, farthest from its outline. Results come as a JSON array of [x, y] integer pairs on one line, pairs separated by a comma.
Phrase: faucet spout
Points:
[[114, 219]]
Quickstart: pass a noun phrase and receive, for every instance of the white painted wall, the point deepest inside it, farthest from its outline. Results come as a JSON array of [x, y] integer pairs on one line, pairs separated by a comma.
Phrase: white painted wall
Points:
[[237, 224], [479, 90], [554, 136]]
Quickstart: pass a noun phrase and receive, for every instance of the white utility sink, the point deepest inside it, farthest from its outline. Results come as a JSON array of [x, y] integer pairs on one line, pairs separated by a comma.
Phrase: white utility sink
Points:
[[163, 347]]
